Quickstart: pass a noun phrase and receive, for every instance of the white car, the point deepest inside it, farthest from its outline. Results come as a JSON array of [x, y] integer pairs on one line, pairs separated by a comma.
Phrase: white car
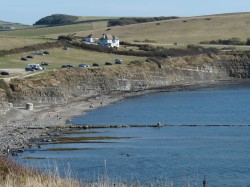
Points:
[[35, 66], [83, 65]]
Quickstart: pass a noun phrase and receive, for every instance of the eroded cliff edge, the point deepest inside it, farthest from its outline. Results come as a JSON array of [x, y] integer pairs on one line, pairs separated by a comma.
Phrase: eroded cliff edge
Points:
[[66, 85]]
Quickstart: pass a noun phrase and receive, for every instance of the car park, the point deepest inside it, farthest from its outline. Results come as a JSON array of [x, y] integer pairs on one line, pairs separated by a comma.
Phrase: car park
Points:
[[4, 73], [108, 63], [83, 65]]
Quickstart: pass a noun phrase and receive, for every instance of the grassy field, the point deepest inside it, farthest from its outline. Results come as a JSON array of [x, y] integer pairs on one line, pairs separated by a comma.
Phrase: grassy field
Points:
[[23, 37], [59, 57], [7, 43], [184, 30]]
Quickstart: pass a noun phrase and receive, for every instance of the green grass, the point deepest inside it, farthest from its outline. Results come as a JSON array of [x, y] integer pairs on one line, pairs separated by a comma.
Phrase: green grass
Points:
[[59, 57]]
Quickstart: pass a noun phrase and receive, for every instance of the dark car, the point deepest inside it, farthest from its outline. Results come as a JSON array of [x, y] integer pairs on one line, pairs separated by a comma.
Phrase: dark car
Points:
[[118, 61], [29, 69], [46, 52], [5, 73], [95, 64], [44, 64], [24, 59], [108, 63], [29, 56], [67, 66]]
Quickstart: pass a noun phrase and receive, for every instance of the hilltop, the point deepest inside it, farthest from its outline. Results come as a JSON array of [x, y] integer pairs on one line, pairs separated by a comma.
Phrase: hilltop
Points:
[[64, 19]]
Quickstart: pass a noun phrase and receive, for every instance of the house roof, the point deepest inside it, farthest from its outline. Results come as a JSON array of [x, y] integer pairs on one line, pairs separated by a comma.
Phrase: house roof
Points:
[[109, 37]]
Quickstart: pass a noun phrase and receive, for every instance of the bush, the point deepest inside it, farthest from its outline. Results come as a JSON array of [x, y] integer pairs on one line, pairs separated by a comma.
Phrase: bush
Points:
[[57, 19], [231, 41], [127, 21], [248, 41]]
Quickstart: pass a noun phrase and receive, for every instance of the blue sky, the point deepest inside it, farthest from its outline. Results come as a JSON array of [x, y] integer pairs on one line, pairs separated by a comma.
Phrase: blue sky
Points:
[[30, 11]]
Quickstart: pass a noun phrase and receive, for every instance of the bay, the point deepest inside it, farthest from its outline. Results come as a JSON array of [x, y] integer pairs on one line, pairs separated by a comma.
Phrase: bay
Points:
[[177, 153]]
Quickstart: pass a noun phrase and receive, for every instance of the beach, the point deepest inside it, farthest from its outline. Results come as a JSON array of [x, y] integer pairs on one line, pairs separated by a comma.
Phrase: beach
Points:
[[20, 125]]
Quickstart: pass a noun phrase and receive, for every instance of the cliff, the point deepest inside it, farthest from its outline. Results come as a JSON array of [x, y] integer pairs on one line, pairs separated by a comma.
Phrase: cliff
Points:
[[66, 85]]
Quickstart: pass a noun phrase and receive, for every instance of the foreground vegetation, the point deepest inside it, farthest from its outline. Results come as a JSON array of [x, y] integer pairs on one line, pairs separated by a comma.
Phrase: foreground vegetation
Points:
[[13, 174]]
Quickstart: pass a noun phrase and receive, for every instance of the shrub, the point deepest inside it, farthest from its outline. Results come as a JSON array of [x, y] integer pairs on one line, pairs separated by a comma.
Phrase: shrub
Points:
[[248, 41], [127, 21], [231, 41], [57, 19]]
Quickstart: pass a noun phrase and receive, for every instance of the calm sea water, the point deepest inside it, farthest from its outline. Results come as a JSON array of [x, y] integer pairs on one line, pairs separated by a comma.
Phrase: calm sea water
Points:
[[174, 153]]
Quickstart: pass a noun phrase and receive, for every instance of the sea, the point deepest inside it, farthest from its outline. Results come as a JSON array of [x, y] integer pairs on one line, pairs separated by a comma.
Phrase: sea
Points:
[[206, 135]]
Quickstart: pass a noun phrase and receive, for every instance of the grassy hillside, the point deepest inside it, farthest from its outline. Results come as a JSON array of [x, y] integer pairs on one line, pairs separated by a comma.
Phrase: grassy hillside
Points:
[[184, 30]]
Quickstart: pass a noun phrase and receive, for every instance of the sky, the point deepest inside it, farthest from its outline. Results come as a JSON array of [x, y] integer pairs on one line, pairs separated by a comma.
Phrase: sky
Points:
[[30, 11]]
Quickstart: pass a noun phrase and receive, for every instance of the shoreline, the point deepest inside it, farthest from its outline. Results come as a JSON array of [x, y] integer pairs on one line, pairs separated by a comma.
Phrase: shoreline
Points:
[[46, 121]]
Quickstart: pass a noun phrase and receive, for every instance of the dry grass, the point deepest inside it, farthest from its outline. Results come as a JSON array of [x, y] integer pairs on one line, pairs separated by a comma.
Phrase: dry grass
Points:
[[7, 43], [12, 174], [15, 175], [184, 30]]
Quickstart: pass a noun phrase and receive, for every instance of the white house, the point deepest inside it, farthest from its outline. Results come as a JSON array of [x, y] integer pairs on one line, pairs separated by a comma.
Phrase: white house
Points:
[[109, 40]]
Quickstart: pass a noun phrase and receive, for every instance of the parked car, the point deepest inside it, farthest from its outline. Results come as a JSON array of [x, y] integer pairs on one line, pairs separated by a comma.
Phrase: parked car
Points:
[[44, 64], [34, 66], [118, 61], [83, 65], [29, 56], [40, 53], [46, 52], [24, 59], [29, 69], [108, 63], [67, 66], [5, 73], [95, 64]]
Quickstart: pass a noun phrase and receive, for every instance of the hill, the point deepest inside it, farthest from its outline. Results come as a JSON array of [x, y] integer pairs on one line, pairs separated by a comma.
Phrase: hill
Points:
[[57, 19], [181, 31], [11, 26], [63, 19], [190, 30]]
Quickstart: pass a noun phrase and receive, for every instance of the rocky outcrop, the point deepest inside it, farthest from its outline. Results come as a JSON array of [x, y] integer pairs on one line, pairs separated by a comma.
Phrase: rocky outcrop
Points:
[[66, 85]]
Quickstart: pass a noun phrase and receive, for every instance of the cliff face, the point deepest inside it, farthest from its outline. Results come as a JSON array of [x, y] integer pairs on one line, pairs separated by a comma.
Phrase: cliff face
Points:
[[4, 104], [62, 86]]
